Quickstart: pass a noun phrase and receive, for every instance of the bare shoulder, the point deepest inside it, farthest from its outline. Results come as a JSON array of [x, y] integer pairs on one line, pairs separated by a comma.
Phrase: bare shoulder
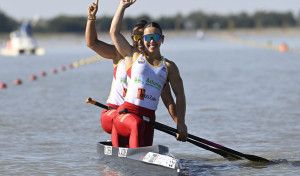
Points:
[[117, 58], [135, 54], [171, 65], [129, 60]]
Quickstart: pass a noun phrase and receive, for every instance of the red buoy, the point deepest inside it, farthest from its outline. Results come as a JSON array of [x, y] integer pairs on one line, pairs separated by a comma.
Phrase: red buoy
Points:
[[17, 81], [283, 48], [70, 66], [62, 68], [54, 71], [2, 85], [32, 77], [43, 73]]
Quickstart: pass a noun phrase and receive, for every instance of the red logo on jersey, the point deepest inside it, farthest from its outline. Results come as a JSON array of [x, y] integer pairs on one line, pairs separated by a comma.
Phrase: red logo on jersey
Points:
[[141, 93], [124, 92], [141, 61]]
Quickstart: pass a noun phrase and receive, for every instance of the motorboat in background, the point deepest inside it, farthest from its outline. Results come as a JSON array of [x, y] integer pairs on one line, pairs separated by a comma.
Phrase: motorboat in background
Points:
[[22, 42]]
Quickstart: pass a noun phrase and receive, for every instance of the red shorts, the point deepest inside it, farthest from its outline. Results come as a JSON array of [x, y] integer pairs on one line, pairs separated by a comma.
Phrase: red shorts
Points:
[[106, 119], [131, 125]]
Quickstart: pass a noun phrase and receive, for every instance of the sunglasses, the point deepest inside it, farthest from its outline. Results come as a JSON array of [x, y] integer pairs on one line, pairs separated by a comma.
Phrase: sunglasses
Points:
[[137, 37], [155, 37]]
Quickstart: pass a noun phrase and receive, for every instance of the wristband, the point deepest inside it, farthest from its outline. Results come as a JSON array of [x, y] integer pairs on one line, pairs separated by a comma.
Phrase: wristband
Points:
[[91, 18]]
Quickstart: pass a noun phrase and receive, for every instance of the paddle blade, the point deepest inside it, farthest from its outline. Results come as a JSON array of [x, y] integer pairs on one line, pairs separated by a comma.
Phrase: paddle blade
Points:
[[255, 158]]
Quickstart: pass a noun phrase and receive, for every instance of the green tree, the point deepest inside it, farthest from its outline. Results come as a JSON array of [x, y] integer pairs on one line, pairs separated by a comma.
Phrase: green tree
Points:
[[67, 24], [198, 18], [194, 20], [103, 23], [242, 20], [7, 24], [273, 19]]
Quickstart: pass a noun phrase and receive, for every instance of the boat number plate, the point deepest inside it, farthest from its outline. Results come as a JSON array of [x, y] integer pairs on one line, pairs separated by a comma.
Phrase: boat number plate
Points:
[[107, 150], [158, 159], [122, 152]]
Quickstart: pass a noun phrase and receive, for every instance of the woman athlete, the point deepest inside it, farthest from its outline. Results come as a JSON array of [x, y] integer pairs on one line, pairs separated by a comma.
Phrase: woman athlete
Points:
[[148, 73]]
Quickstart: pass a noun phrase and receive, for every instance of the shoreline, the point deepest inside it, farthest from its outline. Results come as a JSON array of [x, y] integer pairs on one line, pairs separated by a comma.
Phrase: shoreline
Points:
[[175, 33]]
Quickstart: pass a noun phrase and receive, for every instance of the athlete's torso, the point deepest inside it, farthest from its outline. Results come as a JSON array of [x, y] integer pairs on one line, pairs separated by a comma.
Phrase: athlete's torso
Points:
[[118, 86], [145, 82]]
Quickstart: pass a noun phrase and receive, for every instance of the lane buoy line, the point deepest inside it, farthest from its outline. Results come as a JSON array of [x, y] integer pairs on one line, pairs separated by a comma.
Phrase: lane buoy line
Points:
[[76, 64], [281, 48]]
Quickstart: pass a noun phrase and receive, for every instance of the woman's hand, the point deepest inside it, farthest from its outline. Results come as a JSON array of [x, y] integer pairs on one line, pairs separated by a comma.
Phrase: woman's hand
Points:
[[92, 10], [182, 132], [126, 3]]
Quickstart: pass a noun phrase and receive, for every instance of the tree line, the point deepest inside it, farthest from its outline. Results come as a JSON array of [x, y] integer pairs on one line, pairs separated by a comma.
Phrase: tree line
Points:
[[194, 20]]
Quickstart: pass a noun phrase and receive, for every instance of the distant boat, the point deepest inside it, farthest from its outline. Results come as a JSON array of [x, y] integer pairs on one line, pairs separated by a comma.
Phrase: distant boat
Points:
[[22, 42], [200, 34]]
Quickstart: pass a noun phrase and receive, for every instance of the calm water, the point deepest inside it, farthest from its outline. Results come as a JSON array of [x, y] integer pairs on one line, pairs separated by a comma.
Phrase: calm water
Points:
[[244, 97]]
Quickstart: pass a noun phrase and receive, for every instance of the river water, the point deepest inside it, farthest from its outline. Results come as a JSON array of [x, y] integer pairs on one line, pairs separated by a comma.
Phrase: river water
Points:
[[244, 97]]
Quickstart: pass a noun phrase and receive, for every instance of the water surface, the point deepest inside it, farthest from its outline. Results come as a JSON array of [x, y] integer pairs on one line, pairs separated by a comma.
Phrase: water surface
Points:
[[244, 97]]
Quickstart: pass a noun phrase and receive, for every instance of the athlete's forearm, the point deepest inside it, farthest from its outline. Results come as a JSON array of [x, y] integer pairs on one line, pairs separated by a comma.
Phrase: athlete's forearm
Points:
[[116, 23], [181, 126], [180, 108], [172, 110], [115, 31], [121, 44], [168, 101], [91, 34]]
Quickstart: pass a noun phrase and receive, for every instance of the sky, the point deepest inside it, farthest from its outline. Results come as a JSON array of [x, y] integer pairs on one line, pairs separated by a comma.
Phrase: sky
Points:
[[26, 9]]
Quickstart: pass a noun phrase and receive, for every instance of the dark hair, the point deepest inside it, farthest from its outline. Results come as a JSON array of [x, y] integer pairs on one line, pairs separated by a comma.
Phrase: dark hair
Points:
[[140, 24], [153, 24]]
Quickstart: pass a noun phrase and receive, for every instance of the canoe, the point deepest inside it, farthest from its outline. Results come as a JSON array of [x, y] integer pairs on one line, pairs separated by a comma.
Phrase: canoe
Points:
[[151, 160]]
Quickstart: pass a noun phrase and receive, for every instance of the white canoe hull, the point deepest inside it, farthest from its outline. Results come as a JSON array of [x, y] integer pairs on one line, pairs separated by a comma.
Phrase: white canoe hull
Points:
[[152, 160]]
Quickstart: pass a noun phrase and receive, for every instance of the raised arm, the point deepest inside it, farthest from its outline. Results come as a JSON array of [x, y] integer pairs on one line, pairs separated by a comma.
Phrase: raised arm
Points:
[[103, 49], [178, 89], [122, 45]]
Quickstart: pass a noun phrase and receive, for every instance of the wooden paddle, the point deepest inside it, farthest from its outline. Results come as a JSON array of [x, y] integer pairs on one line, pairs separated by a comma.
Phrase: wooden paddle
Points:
[[200, 142]]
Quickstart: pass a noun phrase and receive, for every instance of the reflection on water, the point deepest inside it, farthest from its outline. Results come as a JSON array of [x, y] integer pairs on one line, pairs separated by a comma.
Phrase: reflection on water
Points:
[[221, 167], [243, 97]]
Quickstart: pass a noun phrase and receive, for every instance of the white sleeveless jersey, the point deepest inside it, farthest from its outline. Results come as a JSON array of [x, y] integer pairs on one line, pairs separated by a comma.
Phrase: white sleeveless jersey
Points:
[[145, 82], [118, 86]]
